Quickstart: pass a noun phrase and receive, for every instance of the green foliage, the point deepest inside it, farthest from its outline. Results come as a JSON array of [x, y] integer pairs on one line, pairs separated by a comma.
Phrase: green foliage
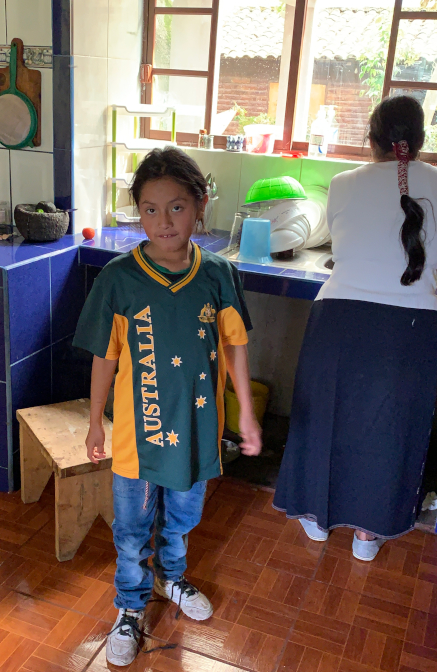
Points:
[[372, 65], [431, 139], [244, 120]]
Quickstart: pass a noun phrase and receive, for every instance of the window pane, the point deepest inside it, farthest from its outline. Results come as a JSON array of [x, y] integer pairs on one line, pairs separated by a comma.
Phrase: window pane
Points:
[[187, 95], [419, 6], [253, 54], [344, 57], [182, 41], [205, 4], [428, 100], [416, 51]]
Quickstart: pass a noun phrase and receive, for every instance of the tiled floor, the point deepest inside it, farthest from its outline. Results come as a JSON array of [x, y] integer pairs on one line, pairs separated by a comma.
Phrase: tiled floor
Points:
[[282, 602]]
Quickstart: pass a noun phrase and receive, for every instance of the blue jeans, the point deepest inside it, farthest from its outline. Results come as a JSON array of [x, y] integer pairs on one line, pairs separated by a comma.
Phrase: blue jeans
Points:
[[141, 509]]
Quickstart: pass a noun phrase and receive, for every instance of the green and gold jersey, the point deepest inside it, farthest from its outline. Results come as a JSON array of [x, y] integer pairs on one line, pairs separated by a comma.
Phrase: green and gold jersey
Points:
[[168, 335]]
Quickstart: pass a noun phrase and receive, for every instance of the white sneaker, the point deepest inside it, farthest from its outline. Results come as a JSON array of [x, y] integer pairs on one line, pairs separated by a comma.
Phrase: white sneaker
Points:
[[366, 550], [122, 644], [312, 530], [188, 598]]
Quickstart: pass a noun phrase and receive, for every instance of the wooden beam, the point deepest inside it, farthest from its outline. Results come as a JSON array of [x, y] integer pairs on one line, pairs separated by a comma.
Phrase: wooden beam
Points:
[[422, 86], [173, 72], [427, 16], [185, 10], [211, 65], [392, 48], [293, 77]]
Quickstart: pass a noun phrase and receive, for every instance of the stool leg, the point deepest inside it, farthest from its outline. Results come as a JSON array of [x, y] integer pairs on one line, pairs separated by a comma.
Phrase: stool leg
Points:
[[34, 467], [78, 502]]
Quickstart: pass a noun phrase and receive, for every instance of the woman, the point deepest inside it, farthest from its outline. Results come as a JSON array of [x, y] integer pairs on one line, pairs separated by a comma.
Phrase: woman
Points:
[[366, 383]]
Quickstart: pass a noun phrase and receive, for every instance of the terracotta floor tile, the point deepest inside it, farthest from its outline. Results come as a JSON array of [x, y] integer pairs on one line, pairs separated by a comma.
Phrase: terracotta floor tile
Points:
[[282, 603], [269, 654], [291, 657], [48, 659], [14, 652]]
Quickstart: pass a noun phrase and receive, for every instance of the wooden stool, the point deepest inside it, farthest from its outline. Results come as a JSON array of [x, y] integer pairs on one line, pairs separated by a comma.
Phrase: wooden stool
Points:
[[52, 439]]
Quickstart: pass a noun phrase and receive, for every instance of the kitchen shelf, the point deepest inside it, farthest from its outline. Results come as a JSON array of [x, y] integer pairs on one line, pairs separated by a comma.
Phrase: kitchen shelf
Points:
[[133, 146], [124, 181], [143, 110], [141, 144]]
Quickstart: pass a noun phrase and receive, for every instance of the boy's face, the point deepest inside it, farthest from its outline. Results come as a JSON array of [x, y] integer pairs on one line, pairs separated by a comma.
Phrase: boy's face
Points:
[[168, 213]]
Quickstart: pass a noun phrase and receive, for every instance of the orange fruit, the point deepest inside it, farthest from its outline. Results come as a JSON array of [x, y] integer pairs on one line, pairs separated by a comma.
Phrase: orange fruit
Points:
[[88, 233]]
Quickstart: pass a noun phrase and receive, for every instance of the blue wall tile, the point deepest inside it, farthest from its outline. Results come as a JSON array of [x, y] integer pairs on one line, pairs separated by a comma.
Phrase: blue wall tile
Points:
[[62, 176], [2, 338], [4, 480], [68, 293], [31, 385], [61, 27], [94, 257], [91, 274], [62, 102], [71, 369], [29, 308], [3, 445]]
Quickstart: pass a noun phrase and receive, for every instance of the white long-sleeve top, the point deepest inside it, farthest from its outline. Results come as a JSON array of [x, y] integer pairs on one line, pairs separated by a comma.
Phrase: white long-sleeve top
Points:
[[365, 218]]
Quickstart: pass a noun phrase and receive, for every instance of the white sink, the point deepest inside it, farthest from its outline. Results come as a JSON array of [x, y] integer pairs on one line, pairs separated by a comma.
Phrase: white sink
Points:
[[312, 261]]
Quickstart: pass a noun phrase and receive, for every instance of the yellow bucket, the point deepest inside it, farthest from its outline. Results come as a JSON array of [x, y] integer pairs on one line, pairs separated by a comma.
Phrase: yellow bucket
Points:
[[260, 395]]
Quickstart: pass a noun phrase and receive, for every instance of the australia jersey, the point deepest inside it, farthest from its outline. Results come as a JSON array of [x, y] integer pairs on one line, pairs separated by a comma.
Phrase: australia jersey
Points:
[[169, 337]]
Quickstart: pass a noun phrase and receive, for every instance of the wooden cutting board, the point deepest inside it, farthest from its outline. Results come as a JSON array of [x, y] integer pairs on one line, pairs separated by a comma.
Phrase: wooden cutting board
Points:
[[28, 82]]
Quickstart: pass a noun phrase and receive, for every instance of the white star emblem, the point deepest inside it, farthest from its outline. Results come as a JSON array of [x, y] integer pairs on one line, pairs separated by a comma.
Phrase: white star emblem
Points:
[[202, 376], [200, 402], [213, 355], [176, 361], [173, 438], [202, 333]]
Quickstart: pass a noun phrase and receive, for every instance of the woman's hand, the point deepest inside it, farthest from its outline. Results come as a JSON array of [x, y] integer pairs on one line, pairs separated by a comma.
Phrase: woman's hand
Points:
[[250, 432], [95, 443]]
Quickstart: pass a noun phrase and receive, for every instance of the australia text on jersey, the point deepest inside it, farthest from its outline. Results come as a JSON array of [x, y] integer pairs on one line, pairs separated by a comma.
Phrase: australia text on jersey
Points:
[[151, 409]]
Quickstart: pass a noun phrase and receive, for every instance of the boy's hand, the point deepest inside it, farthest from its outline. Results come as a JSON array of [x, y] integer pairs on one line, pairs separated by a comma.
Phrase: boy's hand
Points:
[[95, 443], [250, 432]]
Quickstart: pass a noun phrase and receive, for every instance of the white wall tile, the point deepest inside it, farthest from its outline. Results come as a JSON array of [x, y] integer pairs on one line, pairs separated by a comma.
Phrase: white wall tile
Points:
[[90, 101], [2, 22], [46, 112], [31, 20], [123, 89], [90, 190], [256, 167], [320, 173], [90, 28], [32, 177], [5, 182], [226, 168], [125, 30]]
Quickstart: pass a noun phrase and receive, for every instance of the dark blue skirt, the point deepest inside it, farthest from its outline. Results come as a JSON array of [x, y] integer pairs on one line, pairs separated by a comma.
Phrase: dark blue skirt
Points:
[[361, 418]]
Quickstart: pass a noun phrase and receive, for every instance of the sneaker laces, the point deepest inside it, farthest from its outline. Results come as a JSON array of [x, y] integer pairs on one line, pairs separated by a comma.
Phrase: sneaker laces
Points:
[[185, 588], [132, 629]]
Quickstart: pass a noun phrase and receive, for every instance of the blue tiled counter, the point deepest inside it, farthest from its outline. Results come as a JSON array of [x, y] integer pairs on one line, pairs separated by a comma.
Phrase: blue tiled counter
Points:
[[43, 289]]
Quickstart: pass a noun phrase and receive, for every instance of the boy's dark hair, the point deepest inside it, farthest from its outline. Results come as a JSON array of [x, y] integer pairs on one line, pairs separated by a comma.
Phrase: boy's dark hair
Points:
[[395, 119], [169, 162]]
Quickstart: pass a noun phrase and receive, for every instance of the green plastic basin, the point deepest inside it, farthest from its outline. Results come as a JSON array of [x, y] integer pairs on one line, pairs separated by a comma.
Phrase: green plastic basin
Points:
[[274, 189]]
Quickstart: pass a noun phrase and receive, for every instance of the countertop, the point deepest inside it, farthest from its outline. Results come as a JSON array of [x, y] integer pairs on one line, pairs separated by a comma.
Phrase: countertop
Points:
[[300, 278]]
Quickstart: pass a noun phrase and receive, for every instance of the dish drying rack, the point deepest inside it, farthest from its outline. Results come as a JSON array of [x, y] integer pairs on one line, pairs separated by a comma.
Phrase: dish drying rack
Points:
[[134, 146]]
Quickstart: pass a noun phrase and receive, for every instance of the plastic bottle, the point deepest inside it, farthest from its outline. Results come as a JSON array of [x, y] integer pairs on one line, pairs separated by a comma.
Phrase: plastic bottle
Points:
[[318, 144], [334, 128]]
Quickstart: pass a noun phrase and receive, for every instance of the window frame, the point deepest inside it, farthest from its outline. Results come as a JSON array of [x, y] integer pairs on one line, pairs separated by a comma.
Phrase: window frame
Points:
[[286, 144]]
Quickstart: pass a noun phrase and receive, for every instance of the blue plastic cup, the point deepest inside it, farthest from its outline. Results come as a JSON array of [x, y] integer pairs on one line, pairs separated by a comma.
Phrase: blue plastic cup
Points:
[[255, 241]]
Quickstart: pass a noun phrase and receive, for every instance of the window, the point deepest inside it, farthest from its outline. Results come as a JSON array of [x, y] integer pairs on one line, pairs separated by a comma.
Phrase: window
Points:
[[228, 63]]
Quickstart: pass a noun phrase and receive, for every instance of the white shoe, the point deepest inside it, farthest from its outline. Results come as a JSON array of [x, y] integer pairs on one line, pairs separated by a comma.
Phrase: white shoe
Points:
[[188, 598], [312, 530], [122, 644], [366, 550]]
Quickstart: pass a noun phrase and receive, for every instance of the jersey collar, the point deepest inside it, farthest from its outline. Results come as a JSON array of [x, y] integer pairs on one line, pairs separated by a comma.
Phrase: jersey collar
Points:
[[174, 287]]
